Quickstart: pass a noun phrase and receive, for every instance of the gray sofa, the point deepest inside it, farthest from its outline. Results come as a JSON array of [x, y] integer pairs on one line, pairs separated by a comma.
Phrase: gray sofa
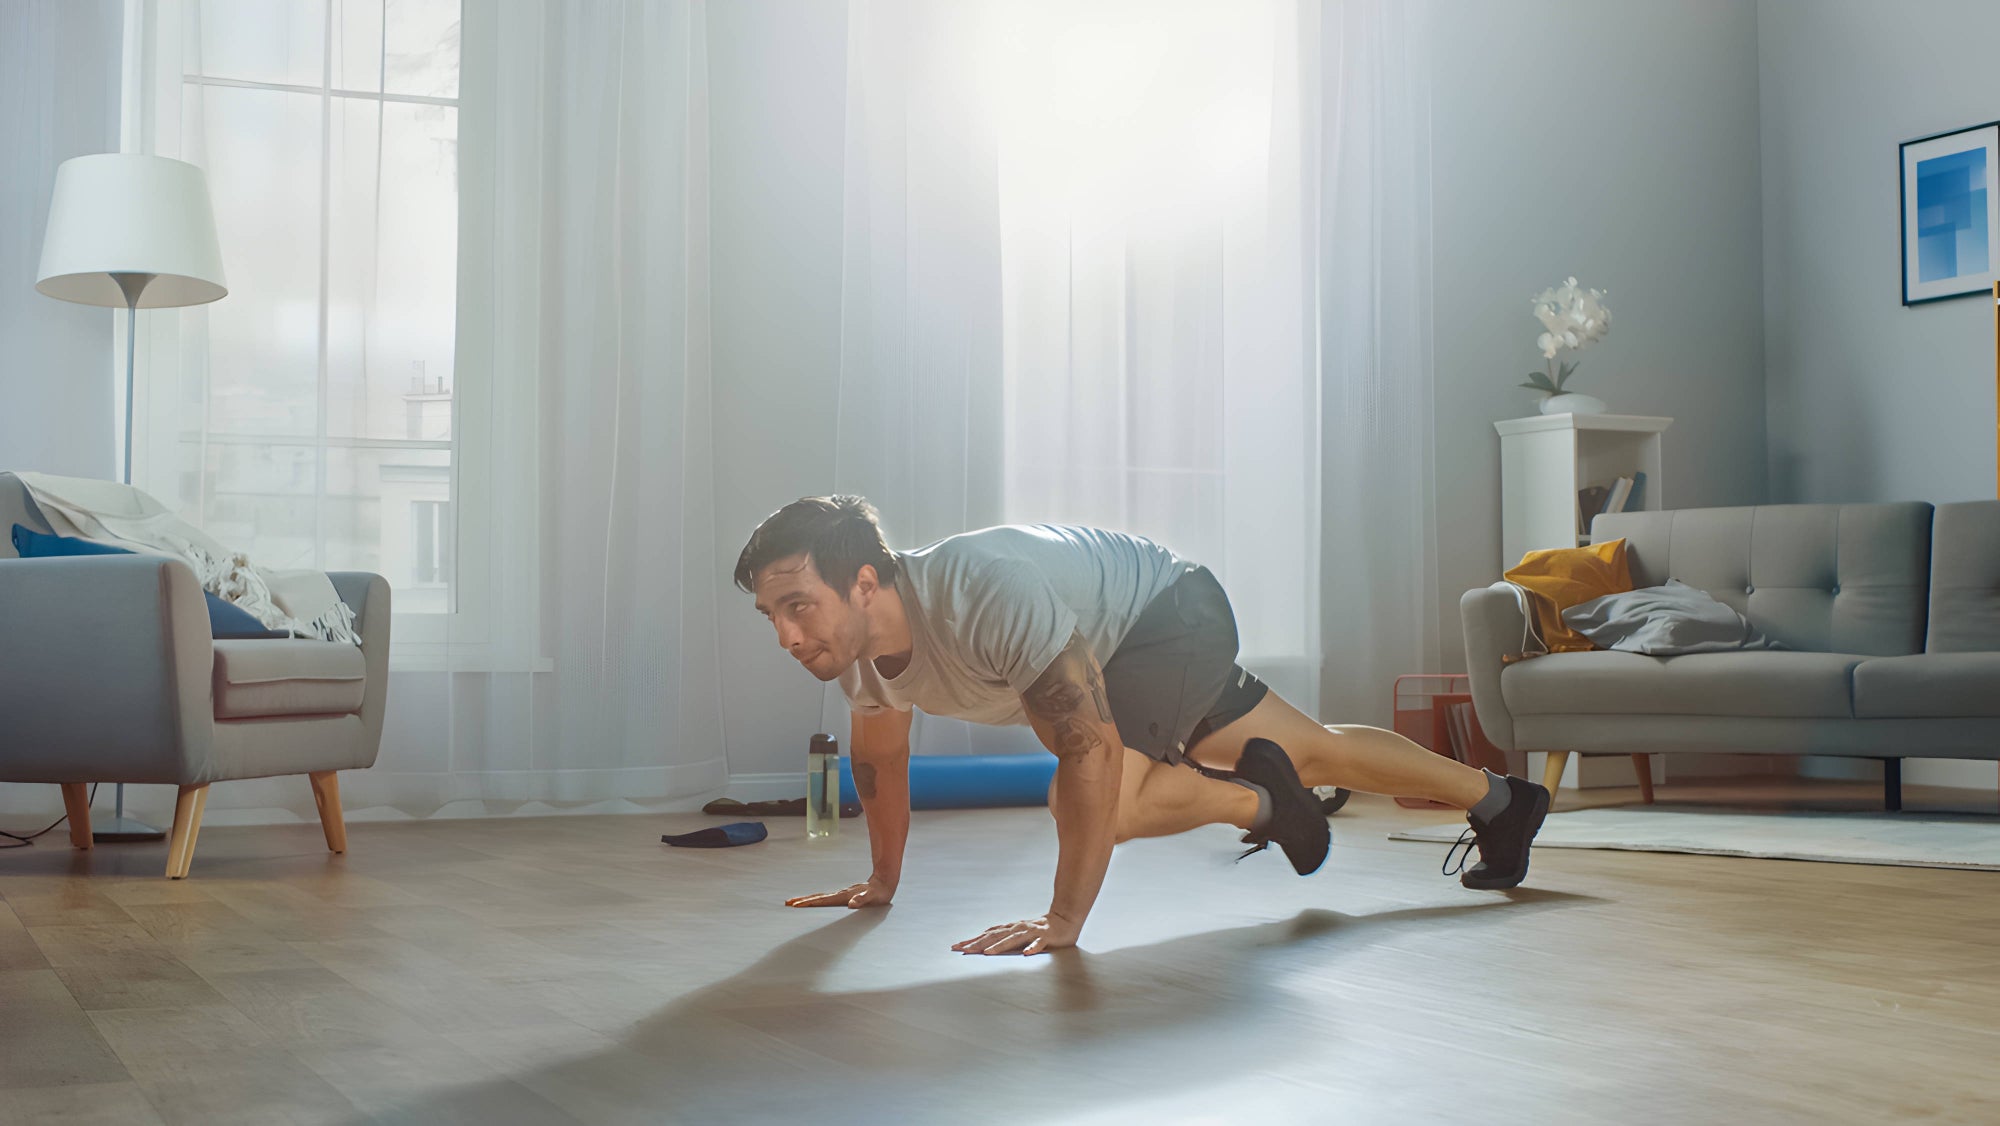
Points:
[[1889, 615], [108, 674]]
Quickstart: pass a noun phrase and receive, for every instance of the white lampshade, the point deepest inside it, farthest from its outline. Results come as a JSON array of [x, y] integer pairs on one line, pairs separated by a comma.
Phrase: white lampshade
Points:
[[123, 213]]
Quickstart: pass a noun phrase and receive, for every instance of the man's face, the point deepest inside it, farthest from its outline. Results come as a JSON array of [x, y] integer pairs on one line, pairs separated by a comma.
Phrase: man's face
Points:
[[820, 629]]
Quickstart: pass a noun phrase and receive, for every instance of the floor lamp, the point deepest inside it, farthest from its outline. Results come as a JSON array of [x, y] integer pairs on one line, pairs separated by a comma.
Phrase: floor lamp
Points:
[[135, 232]]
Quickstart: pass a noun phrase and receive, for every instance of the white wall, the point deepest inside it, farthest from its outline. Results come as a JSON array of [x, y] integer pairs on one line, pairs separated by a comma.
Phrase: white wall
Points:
[[1616, 143], [1869, 400], [59, 63]]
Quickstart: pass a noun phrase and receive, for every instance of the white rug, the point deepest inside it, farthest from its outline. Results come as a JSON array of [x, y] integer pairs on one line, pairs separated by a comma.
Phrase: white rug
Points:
[[1910, 840]]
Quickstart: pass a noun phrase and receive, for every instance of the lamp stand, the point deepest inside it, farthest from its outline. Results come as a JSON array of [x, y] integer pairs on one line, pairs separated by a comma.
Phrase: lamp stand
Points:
[[121, 829]]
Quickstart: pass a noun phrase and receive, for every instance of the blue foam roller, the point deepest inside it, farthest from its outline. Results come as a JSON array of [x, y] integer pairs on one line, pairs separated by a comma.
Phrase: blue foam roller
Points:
[[970, 781]]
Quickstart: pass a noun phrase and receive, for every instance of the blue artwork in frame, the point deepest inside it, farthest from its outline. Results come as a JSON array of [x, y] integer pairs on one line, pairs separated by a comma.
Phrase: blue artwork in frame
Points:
[[1951, 214]]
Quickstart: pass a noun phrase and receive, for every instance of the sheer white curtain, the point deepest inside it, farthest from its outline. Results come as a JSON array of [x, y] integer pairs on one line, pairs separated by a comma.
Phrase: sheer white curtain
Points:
[[920, 399], [1379, 548], [1157, 215], [585, 197], [1163, 267], [564, 649], [1080, 284]]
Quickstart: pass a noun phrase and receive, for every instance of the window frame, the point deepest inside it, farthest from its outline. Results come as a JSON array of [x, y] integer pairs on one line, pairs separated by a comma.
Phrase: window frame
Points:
[[473, 635]]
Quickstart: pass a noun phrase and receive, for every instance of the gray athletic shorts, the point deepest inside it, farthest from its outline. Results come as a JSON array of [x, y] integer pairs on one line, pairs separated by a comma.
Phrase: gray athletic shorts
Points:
[[1175, 678]]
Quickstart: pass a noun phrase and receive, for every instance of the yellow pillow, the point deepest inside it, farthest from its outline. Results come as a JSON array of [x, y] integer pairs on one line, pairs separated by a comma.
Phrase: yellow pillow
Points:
[[1558, 578]]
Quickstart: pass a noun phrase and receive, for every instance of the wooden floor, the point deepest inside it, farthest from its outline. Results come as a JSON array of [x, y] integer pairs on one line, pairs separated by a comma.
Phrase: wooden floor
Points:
[[573, 969]]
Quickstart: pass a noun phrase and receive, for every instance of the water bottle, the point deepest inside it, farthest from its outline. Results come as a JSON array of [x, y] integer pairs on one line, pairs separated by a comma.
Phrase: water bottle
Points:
[[822, 787]]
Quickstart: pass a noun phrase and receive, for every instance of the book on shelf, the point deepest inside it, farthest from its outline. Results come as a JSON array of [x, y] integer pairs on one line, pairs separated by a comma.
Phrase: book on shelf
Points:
[[1619, 491], [1589, 502], [1636, 502]]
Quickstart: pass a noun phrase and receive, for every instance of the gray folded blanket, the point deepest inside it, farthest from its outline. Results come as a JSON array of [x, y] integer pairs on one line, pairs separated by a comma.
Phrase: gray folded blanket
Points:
[[1665, 621]]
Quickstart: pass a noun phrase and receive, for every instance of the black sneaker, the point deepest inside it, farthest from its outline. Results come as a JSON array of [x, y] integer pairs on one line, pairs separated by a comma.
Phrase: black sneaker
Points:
[[1297, 823], [1503, 843]]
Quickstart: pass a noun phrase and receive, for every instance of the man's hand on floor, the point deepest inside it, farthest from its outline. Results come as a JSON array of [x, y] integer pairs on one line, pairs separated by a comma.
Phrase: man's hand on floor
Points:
[[1030, 936], [870, 894]]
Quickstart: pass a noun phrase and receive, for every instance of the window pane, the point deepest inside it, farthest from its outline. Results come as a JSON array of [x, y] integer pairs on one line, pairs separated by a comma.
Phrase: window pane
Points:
[[373, 505], [280, 41], [403, 46], [392, 270], [357, 45], [261, 150], [422, 47], [259, 500]]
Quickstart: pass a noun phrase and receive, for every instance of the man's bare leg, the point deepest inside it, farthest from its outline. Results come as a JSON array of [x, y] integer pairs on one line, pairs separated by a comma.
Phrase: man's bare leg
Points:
[[1368, 759], [1157, 800]]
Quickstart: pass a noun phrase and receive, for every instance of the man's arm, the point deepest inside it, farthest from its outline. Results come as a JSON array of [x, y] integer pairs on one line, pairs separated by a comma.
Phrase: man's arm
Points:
[[882, 778], [880, 757], [1071, 714]]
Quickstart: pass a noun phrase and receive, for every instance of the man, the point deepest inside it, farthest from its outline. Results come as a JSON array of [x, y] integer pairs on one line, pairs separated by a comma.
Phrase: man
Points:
[[1122, 656]]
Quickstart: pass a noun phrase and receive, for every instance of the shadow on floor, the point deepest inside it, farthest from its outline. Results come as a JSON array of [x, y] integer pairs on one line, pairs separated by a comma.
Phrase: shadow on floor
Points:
[[1066, 1033]]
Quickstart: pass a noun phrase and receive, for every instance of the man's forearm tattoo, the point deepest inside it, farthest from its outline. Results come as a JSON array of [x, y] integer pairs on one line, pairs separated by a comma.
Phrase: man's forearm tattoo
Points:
[[1069, 696], [864, 779]]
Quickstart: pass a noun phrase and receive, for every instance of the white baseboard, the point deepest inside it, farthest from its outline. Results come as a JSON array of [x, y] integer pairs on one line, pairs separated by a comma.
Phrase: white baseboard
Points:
[[1966, 774], [1593, 771], [1682, 768], [766, 787]]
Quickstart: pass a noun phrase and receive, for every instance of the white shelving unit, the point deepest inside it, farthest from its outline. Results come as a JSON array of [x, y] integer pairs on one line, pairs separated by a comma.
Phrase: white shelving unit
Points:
[[1547, 459]]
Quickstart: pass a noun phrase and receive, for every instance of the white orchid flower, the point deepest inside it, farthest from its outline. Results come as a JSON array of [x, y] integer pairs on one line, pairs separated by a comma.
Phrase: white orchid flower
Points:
[[1571, 317]]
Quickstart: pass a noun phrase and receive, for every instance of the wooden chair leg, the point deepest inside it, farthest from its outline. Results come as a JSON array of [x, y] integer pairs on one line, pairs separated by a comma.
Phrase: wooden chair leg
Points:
[[76, 803], [1552, 774], [187, 825], [326, 795], [1644, 764], [194, 834]]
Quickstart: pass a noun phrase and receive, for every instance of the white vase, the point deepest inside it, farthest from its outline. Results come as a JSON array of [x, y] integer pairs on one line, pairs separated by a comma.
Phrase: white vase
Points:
[[1573, 403]]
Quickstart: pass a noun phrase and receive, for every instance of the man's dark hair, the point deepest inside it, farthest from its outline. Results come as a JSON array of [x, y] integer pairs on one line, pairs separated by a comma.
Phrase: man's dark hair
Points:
[[840, 534]]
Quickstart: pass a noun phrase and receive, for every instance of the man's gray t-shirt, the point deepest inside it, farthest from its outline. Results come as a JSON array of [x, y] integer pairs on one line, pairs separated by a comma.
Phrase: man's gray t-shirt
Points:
[[988, 611]]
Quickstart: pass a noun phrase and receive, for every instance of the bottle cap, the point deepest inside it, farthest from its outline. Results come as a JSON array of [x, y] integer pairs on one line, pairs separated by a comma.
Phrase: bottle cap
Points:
[[824, 745]]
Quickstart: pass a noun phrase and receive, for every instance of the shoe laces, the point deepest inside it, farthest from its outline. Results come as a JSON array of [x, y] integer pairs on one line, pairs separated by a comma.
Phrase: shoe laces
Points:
[[1460, 852], [1258, 842]]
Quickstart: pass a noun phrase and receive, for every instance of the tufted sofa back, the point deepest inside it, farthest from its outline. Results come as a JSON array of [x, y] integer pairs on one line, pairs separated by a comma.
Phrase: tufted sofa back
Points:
[[1828, 578], [1965, 578]]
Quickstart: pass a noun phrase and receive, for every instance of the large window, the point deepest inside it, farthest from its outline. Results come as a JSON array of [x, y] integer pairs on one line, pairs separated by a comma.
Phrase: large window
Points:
[[308, 418]]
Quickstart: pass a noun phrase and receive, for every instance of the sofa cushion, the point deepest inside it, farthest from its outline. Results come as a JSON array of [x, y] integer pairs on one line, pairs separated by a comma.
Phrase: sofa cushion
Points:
[[261, 678], [1716, 684], [1965, 578], [1928, 686], [1823, 578]]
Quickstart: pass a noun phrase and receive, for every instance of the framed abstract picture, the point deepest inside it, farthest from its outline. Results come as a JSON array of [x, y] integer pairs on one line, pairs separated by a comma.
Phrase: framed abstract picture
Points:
[[1951, 214]]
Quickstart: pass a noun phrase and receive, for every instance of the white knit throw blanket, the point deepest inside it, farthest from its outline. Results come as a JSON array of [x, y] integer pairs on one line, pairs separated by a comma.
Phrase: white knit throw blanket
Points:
[[301, 602]]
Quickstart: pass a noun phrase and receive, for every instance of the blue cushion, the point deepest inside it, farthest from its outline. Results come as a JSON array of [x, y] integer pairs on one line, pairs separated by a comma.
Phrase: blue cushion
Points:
[[225, 618]]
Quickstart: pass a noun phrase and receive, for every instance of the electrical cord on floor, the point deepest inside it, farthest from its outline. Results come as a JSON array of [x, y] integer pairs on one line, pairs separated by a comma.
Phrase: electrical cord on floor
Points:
[[23, 842]]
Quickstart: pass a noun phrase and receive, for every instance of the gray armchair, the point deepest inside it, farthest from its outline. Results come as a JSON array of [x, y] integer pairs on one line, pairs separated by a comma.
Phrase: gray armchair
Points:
[[108, 674]]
